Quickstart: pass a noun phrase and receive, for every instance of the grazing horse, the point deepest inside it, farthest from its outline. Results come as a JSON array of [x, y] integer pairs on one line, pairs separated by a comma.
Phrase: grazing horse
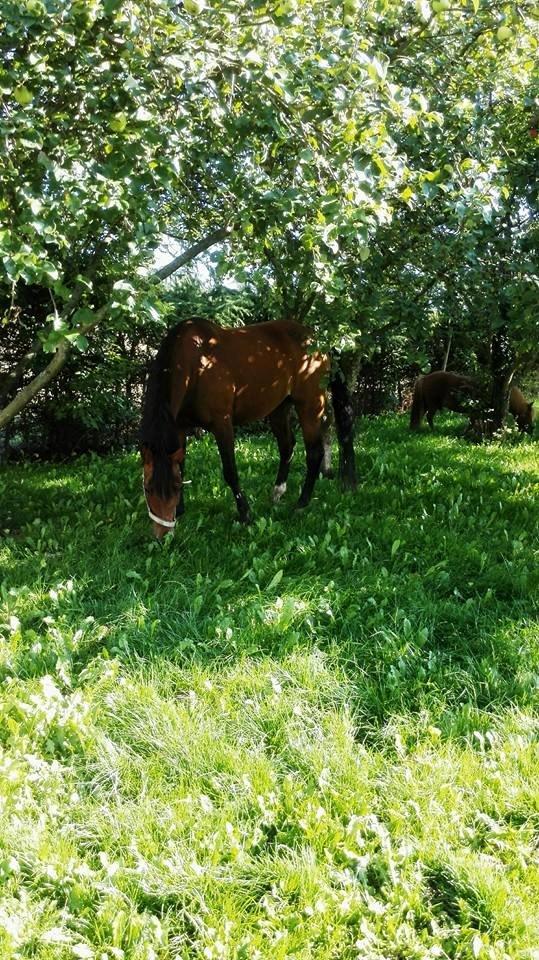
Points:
[[215, 378], [521, 410], [439, 390]]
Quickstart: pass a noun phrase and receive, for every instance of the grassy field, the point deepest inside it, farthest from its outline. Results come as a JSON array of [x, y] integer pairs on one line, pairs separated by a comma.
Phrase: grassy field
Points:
[[317, 737]]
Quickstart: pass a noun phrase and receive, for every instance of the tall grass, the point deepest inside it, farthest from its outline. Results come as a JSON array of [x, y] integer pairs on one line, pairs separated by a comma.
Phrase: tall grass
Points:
[[316, 737]]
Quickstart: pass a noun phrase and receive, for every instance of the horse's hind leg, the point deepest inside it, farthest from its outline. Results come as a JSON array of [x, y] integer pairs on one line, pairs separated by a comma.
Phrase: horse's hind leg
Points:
[[430, 418], [282, 430], [310, 415], [224, 435]]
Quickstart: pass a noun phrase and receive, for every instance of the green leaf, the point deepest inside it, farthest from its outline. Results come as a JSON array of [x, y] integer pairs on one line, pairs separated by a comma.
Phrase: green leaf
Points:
[[143, 115], [118, 122], [275, 581], [504, 33], [23, 95], [82, 316], [52, 340]]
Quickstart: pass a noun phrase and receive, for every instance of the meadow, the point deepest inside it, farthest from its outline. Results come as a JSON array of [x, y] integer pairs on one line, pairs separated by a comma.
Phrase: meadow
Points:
[[315, 737]]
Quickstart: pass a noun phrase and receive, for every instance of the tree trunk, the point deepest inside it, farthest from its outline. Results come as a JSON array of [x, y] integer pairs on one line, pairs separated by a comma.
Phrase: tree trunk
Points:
[[3, 446], [349, 364], [502, 370]]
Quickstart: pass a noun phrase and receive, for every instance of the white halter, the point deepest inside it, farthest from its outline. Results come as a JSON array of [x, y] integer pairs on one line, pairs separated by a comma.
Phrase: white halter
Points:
[[163, 523]]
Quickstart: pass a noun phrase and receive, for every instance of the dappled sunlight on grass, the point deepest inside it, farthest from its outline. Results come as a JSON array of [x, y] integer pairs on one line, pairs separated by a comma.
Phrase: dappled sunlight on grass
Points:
[[318, 733]]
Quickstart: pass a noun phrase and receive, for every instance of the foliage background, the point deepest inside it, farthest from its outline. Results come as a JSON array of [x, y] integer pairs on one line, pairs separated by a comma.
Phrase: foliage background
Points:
[[370, 165]]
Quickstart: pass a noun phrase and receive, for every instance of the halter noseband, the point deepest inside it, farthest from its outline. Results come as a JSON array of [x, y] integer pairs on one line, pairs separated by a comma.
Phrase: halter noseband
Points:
[[163, 523]]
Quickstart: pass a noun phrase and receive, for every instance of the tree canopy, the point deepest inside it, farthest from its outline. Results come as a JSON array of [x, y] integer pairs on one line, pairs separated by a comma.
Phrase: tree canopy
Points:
[[368, 161]]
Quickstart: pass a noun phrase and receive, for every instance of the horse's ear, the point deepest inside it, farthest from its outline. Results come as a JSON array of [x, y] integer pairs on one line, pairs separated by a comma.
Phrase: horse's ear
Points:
[[178, 456]]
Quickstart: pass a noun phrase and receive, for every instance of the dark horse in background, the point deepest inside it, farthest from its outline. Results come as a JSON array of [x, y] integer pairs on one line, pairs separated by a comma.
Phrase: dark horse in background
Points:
[[451, 391], [216, 378]]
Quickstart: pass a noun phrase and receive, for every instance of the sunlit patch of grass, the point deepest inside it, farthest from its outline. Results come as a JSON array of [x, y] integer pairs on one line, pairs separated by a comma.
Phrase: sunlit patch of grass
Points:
[[315, 737]]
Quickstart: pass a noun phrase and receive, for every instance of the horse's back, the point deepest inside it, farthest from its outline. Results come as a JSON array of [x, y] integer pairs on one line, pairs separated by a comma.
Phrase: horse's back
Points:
[[287, 335], [200, 344], [206, 333], [246, 372], [445, 380], [517, 401]]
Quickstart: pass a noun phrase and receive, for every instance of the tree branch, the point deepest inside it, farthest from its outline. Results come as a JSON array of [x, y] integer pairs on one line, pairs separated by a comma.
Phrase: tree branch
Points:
[[59, 358], [12, 378], [41, 380], [193, 251]]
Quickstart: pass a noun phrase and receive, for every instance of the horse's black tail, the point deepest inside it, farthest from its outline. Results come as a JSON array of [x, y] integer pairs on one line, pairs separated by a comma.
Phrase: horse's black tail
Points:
[[418, 405], [344, 423]]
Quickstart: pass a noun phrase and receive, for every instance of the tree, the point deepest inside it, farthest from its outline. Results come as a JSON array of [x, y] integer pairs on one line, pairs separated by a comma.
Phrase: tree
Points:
[[299, 130]]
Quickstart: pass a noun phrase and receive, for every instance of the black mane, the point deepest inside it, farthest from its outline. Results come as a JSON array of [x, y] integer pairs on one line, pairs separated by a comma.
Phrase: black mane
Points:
[[158, 429]]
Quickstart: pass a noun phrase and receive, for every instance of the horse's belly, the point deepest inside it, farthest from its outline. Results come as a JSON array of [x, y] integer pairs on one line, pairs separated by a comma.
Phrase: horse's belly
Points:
[[256, 401]]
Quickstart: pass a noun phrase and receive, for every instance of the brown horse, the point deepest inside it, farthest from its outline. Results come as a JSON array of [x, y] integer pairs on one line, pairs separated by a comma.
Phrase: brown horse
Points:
[[451, 391], [438, 391], [521, 410], [215, 378]]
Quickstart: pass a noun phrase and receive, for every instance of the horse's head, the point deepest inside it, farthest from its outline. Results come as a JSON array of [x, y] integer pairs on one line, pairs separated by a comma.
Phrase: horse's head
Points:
[[162, 481], [525, 418]]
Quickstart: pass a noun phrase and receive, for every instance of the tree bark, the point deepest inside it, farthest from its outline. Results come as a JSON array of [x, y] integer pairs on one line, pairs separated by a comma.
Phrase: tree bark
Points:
[[502, 370], [348, 364]]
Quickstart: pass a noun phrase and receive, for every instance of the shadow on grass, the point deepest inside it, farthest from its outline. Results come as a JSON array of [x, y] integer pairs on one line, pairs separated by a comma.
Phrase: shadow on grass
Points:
[[420, 586]]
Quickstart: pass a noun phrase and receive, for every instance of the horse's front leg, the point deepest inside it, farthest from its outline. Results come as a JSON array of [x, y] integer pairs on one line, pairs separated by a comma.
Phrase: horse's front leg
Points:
[[326, 469], [224, 435]]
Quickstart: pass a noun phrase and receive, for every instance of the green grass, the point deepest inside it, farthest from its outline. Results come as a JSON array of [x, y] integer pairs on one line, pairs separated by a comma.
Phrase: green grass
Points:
[[317, 737]]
